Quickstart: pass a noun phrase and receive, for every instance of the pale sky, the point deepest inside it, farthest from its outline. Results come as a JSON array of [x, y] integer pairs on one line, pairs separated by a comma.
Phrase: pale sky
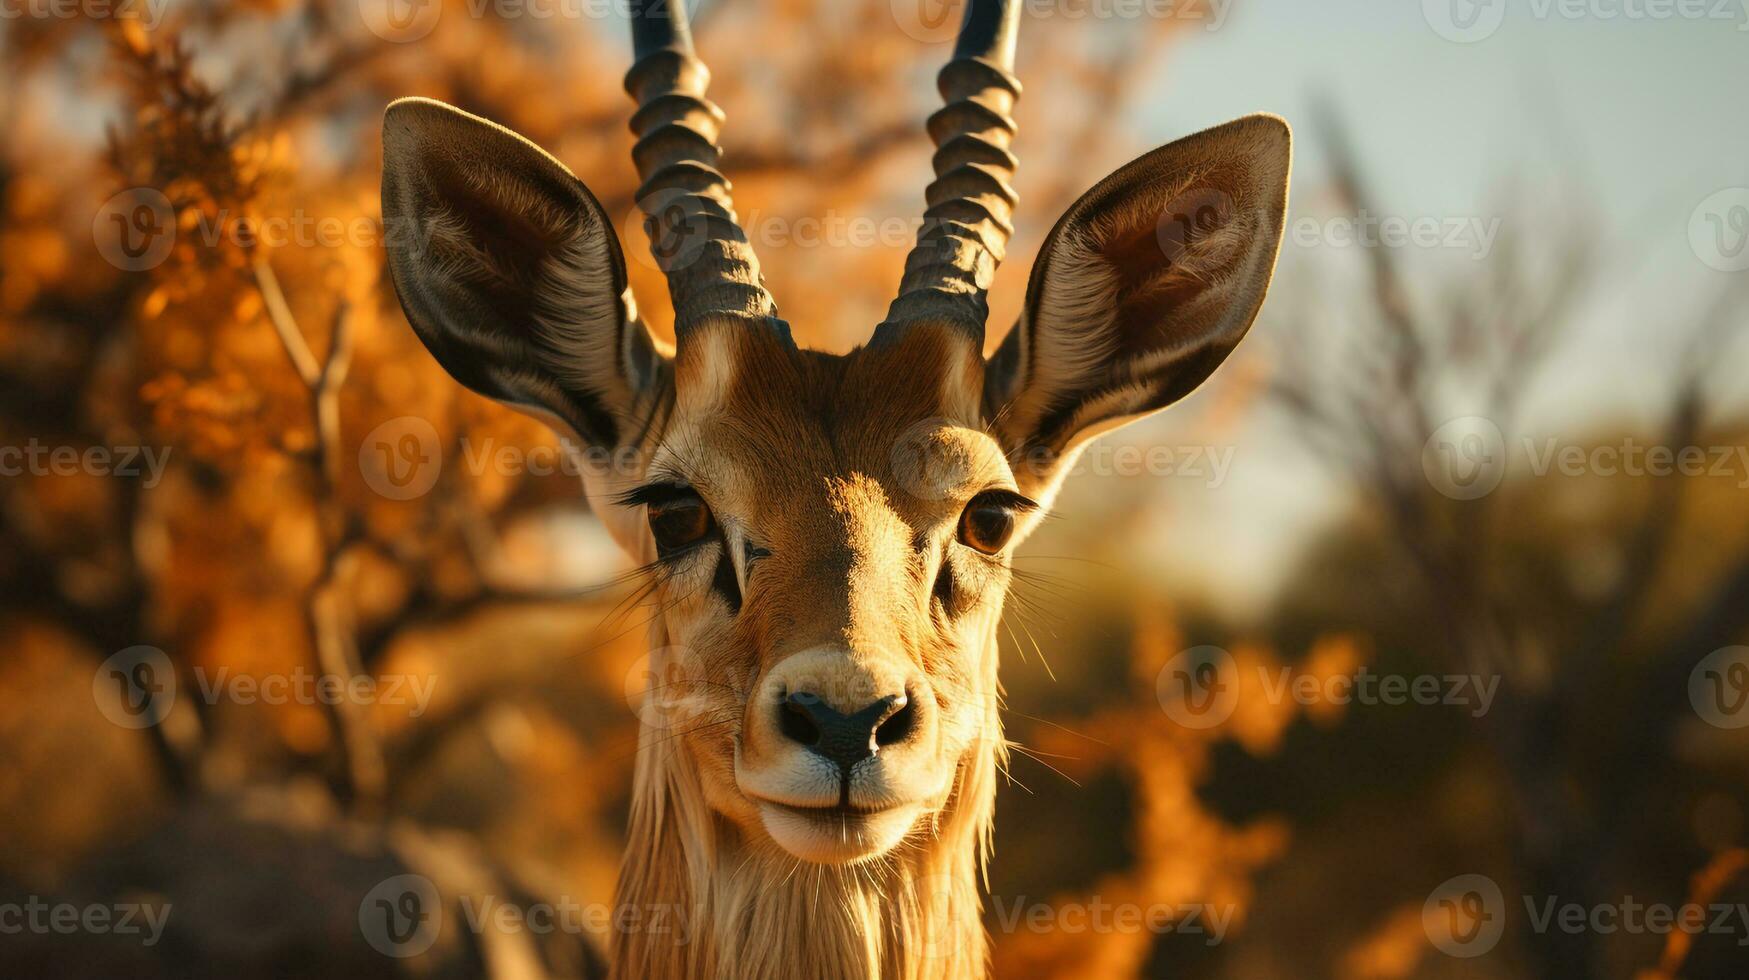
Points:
[[1594, 105]]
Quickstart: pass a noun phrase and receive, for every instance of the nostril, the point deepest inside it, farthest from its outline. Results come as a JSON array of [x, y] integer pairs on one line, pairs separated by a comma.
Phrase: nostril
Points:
[[796, 719], [846, 739], [899, 725]]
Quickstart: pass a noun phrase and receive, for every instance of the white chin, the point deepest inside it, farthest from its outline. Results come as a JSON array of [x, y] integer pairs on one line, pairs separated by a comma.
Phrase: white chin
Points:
[[837, 839]]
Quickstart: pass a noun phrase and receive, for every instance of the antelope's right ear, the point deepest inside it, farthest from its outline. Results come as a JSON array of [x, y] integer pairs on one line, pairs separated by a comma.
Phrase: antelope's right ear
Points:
[[1140, 292], [511, 274]]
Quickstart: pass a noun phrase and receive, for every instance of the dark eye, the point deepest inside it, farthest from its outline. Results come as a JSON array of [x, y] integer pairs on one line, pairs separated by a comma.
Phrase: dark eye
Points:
[[679, 523], [988, 521]]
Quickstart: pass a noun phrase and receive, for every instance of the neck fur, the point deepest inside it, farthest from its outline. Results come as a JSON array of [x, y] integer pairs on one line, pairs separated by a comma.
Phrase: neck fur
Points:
[[697, 899]]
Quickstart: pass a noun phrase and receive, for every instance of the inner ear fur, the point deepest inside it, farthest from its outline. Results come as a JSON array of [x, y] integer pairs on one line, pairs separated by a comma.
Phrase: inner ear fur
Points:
[[510, 272], [1143, 287]]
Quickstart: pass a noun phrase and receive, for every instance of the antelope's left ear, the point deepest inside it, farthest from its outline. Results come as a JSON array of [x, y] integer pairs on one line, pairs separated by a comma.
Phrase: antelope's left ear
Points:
[[511, 274], [1141, 290]]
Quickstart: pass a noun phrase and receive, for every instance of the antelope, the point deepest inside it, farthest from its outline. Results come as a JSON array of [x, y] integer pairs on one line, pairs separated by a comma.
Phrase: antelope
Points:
[[830, 536]]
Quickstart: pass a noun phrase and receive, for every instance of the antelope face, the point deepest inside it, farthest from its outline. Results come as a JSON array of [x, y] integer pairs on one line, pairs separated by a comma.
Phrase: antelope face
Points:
[[829, 536], [832, 567]]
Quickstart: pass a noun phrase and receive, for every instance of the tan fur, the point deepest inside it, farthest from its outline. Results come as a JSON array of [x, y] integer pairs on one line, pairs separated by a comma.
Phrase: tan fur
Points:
[[841, 531], [836, 485]]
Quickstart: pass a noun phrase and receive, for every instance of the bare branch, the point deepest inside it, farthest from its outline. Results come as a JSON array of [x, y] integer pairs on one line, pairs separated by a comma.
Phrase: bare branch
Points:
[[280, 315]]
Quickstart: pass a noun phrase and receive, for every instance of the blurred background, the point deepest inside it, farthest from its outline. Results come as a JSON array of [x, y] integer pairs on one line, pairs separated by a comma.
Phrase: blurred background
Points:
[[1421, 624]]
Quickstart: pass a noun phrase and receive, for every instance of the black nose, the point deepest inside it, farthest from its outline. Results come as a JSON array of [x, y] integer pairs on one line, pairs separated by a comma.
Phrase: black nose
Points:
[[846, 739]]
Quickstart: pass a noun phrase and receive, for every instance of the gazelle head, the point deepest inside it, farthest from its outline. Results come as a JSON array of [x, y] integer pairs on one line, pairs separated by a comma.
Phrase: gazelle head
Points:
[[831, 535]]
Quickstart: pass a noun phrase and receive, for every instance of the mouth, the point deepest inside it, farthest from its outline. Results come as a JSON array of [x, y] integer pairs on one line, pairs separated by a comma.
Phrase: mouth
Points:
[[837, 834], [838, 813]]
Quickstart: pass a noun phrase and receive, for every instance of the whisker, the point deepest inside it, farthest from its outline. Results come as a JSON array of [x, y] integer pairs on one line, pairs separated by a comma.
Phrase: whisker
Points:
[[1030, 754], [1063, 728]]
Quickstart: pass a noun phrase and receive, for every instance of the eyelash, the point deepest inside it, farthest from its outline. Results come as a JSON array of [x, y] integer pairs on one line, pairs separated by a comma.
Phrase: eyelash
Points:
[[655, 493], [1015, 501]]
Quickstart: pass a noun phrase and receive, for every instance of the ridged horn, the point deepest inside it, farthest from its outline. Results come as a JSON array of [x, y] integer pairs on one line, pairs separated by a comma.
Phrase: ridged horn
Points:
[[694, 235], [970, 204]]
